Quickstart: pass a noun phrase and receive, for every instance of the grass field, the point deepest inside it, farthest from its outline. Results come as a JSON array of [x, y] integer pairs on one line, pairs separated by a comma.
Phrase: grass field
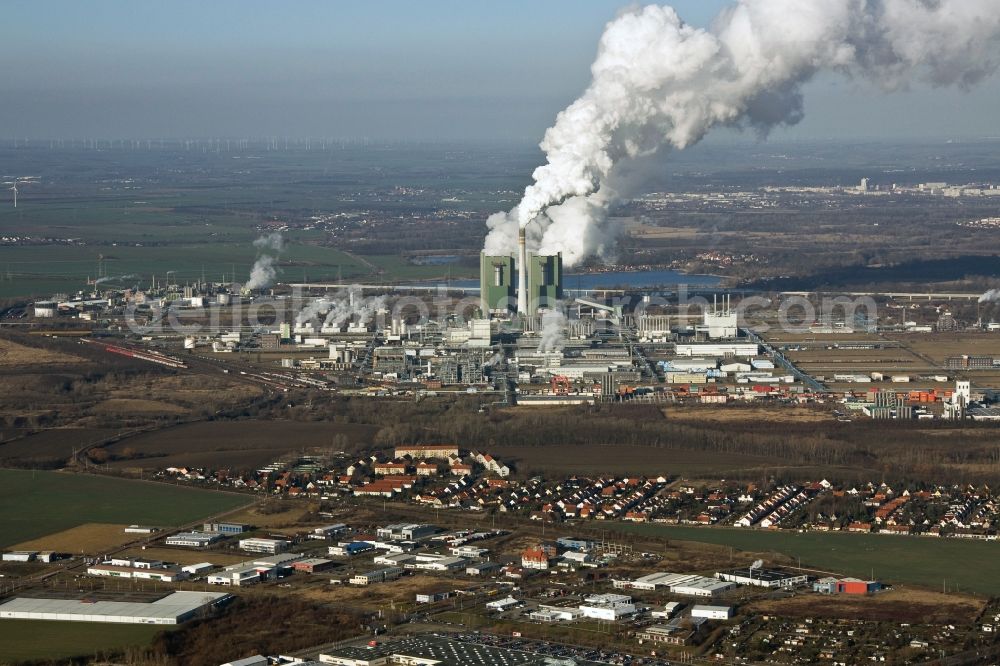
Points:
[[22, 640], [35, 504], [966, 566]]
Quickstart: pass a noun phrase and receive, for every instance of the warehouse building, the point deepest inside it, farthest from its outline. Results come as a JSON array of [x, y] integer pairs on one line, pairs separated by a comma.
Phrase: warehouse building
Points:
[[20, 556], [328, 531], [376, 576], [435, 562], [723, 349], [271, 546], [350, 549], [240, 576], [686, 584], [763, 578], [313, 565], [405, 532], [193, 539], [139, 570], [608, 607], [712, 612], [174, 608], [856, 586]]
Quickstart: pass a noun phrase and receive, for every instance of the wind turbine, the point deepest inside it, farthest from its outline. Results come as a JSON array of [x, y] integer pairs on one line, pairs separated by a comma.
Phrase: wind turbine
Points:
[[24, 180]]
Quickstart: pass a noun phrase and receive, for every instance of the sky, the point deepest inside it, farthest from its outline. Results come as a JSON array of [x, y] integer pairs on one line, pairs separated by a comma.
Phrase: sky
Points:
[[420, 70]]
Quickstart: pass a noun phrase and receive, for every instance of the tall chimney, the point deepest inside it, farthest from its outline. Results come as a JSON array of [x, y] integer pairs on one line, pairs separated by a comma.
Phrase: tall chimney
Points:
[[522, 272]]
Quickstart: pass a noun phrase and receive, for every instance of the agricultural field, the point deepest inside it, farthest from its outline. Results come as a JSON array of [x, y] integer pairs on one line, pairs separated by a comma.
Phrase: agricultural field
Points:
[[895, 559], [22, 640], [36, 504], [86, 538], [235, 444], [626, 460], [53, 443]]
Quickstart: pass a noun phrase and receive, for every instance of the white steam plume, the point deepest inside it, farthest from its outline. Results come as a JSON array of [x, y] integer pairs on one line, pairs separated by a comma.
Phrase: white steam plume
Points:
[[337, 309], [553, 331], [114, 278], [263, 272], [660, 85], [272, 241], [990, 296], [313, 309], [498, 357]]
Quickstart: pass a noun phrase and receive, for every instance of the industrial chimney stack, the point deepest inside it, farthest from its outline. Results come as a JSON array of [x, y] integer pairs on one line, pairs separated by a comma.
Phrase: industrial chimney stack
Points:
[[522, 272]]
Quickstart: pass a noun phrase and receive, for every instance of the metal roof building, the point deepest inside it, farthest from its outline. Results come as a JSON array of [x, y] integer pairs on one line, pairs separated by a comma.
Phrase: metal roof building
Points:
[[171, 609]]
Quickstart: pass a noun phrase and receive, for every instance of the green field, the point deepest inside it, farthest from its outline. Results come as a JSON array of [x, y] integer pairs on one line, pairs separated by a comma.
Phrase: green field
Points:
[[35, 504], [22, 640], [65, 268], [966, 566]]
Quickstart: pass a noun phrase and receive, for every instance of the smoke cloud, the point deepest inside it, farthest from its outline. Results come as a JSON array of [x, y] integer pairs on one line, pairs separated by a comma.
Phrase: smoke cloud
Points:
[[553, 331], [263, 272], [498, 357], [659, 85], [345, 306], [990, 296], [272, 241]]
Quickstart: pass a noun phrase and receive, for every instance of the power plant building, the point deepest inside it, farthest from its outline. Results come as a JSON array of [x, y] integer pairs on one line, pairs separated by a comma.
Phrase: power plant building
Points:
[[499, 282], [545, 280]]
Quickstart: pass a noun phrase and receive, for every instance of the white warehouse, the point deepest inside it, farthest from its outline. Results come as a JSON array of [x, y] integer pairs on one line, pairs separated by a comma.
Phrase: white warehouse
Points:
[[171, 609]]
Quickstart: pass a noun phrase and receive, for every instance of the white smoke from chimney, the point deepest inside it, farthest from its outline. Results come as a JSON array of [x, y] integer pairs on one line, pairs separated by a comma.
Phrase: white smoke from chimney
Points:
[[263, 272], [553, 335], [659, 84], [114, 278], [338, 309]]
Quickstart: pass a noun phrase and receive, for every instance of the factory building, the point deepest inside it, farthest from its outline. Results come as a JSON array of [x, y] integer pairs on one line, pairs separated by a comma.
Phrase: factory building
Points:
[[719, 324], [174, 608]]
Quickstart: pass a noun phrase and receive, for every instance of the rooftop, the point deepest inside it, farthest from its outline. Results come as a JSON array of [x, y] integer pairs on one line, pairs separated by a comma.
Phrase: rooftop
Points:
[[168, 608]]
